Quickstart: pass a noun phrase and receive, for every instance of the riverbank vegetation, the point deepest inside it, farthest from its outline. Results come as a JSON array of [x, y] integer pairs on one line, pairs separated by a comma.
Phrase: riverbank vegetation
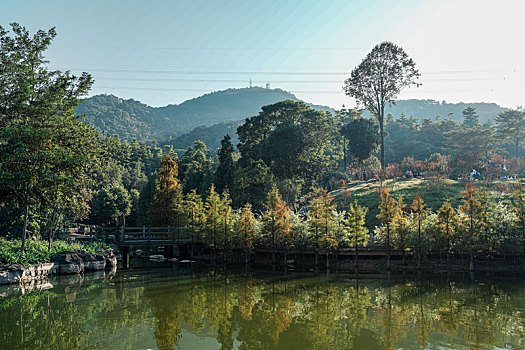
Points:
[[299, 177], [38, 252]]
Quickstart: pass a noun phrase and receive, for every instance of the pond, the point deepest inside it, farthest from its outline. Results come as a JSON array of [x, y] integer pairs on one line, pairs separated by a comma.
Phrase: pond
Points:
[[198, 309]]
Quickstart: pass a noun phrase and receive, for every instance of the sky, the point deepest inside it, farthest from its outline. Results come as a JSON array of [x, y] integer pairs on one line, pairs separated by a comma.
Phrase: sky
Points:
[[165, 52]]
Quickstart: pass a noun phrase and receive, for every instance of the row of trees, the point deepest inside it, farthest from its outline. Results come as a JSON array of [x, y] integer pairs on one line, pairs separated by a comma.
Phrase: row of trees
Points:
[[480, 227], [216, 224]]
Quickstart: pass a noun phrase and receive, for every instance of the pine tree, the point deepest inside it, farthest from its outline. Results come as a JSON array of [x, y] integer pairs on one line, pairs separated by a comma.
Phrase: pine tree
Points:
[[420, 212], [168, 205], [246, 231], [401, 226], [356, 228], [388, 211], [473, 210], [194, 211], [213, 207], [275, 220], [322, 221], [224, 174], [447, 220], [470, 118]]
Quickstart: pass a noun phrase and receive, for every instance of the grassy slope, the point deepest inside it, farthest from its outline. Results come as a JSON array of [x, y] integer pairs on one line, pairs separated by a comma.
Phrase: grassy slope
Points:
[[433, 194]]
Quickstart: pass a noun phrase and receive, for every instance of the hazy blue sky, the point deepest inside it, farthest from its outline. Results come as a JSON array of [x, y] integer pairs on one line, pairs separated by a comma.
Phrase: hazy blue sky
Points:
[[163, 52]]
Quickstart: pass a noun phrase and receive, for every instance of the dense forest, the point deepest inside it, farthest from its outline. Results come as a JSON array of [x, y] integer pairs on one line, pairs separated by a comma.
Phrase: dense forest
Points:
[[272, 185]]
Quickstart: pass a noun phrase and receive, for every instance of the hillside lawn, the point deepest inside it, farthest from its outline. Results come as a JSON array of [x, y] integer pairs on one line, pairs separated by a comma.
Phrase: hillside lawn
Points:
[[434, 193]]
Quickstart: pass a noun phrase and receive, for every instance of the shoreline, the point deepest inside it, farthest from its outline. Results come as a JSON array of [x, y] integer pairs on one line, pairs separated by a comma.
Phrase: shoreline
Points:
[[66, 263]]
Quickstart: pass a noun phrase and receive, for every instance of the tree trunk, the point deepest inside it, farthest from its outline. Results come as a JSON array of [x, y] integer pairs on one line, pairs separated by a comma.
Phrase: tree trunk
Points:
[[388, 247], [419, 244], [273, 250], [448, 252], [24, 233], [327, 261], [356, 263], [382, 134]]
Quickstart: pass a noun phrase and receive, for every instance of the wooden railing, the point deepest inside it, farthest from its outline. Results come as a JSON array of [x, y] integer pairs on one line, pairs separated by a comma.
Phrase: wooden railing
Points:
[[127, 234]]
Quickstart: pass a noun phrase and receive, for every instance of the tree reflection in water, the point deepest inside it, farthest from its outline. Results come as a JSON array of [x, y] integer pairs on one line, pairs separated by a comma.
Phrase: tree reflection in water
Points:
[[228, 311]]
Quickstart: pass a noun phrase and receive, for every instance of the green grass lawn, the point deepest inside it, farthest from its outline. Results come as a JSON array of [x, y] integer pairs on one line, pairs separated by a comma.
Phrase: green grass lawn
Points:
[[433, 193]]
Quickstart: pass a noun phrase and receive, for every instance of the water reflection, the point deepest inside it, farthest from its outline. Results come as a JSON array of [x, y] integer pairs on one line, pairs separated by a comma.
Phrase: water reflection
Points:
[[152, 309]]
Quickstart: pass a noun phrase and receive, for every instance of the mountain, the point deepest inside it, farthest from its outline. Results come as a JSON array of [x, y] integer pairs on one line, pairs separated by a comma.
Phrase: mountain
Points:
[[429, 109], [133, 119]]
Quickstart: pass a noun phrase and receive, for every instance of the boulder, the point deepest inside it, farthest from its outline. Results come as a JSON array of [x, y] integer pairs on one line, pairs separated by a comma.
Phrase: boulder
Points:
[[70, 262], [93, 262]]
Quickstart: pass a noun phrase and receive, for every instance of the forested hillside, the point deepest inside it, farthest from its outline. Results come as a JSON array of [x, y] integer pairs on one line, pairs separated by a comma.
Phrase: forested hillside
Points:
[[132, 119], [210, 135]]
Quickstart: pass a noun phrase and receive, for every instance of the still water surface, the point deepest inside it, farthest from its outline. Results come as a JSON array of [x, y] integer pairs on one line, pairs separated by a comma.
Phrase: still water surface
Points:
[[176, 308]]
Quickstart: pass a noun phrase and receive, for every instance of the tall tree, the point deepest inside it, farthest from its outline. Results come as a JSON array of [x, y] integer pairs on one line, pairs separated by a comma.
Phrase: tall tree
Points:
[[473, 219], [356, 228], [224, 174], [363, 138], [388, 211], [322, 221], [447, 220], [43, 143], [511, 127], [470, 118], [420, 212], [291, 138], [246, 231], [167, 207], [276, 223], [379, 79]]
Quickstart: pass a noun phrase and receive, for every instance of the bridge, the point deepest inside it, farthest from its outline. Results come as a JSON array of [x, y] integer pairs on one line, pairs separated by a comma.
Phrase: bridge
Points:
[[126, 237]]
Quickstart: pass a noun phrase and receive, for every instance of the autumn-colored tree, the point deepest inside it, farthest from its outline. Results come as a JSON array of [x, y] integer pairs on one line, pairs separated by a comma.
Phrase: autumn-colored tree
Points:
[[194, 208], [401, 226], [246, 232], [356, 229], [322, 221], [447, 220], [419, 211], [388, 210], [472, 211], [167, 207], [213, 210], [275, 220]]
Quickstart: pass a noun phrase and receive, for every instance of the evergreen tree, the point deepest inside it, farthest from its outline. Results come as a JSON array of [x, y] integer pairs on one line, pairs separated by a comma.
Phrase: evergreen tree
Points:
[[276, 221], [388, 211], [356, 229], [470, 118], [246, 231], [224, 174], [447, 220], [322, 223], [511, 127], [419, 211], [167, 207], [473, 220]]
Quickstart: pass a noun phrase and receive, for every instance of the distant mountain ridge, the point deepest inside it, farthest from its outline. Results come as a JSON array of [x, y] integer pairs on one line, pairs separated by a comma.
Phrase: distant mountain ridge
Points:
[[133, 119], [207, 116]]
